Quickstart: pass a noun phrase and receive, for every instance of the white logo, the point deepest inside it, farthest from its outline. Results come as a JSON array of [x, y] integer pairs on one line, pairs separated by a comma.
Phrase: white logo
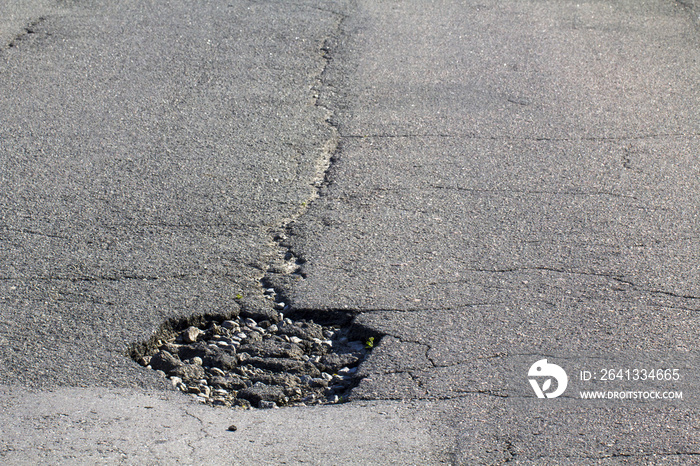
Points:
[[551, 371]]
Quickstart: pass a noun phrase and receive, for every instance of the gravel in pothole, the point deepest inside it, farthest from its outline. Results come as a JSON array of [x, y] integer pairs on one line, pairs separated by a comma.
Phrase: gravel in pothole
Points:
[[244, 363]]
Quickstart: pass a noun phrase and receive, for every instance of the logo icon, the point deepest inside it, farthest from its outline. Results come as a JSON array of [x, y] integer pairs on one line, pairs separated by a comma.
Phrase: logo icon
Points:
[[542, 369]]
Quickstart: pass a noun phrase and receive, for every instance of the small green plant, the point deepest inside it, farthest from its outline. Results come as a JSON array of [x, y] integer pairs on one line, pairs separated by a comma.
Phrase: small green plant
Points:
[[369, 344], [239, 296]]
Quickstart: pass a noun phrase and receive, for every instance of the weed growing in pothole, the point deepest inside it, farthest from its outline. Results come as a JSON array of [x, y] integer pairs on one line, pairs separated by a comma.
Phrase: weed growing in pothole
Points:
[[245, 363]]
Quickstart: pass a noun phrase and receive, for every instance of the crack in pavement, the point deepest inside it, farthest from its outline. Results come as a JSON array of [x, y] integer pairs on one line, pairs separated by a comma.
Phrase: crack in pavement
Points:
[[34, 232], [113, 278], [654, 291], [428, 347], [618, 455], [288, 264], [524, 191], [615, 277], [202, 434], [28, 30], [319, 8], [524, 138]]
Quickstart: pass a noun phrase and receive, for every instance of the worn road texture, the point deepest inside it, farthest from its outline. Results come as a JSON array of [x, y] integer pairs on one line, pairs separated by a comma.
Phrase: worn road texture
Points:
[[508, 182]]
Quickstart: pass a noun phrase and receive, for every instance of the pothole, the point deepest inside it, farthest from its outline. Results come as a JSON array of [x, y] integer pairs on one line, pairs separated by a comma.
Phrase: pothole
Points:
[[248, 363]]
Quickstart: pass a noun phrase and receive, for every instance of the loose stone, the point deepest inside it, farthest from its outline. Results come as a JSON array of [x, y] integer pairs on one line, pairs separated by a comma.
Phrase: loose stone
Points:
[[175, 381], [164, 361], [188, 372], [217, 371], [319, 382], [204, 390], [264, 324], [261, 392], [191, 334], [229, 324], [266, 362]]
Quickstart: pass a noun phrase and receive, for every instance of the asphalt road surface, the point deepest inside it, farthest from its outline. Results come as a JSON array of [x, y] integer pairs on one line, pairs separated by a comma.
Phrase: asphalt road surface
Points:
[[485, 184]]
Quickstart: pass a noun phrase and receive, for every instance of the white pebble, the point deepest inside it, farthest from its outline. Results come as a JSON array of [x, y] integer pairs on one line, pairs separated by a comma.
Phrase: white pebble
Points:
[[217, 371], [229, 324], [175, 381], [191, 334]]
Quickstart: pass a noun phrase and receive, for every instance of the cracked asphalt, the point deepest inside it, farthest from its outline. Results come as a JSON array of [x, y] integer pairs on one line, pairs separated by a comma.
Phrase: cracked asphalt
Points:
[[486, 184], [148, 154]]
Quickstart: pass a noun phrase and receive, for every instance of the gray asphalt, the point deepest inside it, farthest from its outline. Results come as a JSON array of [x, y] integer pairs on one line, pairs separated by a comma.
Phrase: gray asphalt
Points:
[[508, 183], [520, 183], [149, 153]]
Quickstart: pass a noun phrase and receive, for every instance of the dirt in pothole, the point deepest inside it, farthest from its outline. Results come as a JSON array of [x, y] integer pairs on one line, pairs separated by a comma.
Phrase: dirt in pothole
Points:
[[263, 364]]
